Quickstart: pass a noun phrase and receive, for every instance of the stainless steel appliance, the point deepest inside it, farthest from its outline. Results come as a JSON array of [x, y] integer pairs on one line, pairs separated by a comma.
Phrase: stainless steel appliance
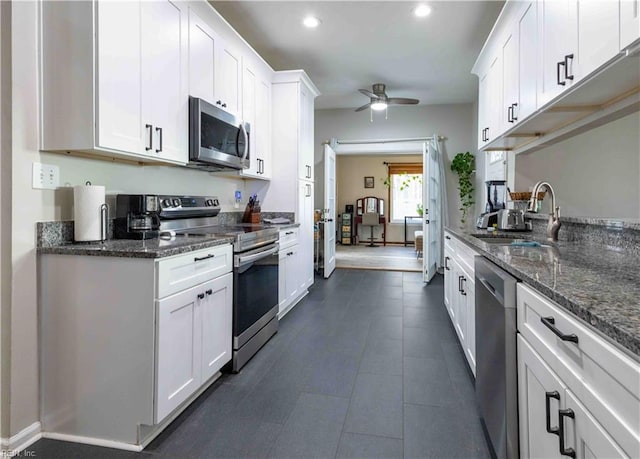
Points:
[[512, 220], [496, 196], [137, 216], [496, 366], [217, 139], [255, 268]]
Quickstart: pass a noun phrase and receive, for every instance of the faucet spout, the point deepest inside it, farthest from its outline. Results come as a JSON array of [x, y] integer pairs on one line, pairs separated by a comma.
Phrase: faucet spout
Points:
[[553, 226]]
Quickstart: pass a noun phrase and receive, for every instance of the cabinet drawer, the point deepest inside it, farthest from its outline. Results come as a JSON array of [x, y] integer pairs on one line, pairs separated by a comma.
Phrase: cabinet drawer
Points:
[[288, 237], [465, 256], [449, 242], [184, 271], [606, 380]]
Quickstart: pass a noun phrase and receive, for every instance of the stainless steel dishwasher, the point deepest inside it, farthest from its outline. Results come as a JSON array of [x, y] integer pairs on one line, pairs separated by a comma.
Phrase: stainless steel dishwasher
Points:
[[496, 366]]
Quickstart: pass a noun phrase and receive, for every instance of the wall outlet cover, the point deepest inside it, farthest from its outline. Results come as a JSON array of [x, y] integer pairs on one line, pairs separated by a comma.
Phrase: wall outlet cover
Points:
[[45, 176]]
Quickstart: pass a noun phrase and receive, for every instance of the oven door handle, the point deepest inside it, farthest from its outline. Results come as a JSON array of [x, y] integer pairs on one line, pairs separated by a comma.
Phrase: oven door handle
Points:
[[255, 257]]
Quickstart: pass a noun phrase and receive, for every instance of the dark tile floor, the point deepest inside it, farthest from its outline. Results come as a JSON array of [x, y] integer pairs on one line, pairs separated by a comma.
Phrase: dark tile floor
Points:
[[368, 365]]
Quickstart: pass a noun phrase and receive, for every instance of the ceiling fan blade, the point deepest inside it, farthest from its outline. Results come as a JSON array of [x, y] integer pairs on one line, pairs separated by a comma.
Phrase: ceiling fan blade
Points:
[[359, 109], [402, 101], [368, 93]]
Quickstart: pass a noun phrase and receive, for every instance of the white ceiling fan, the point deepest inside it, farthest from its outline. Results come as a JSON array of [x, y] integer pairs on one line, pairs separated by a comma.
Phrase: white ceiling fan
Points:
[[380, 100]]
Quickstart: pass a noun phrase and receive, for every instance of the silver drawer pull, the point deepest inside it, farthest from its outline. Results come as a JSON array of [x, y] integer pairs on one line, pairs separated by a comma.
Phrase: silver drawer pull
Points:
[[204, 258]]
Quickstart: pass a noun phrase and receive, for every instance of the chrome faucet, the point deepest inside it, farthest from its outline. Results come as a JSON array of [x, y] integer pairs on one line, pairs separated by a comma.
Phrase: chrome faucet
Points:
[[553, 226]]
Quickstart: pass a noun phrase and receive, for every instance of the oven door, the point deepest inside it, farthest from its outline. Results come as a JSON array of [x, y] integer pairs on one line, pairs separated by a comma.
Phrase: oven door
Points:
[[255, 292], [217, 137]]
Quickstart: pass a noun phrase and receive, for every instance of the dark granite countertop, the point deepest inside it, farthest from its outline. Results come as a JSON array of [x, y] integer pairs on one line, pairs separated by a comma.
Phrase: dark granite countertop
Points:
[[151, 248], [599, 284]]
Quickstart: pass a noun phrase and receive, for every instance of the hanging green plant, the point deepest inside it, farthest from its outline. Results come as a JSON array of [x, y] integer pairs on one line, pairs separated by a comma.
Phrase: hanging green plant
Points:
[[406, 180], [463, 164]]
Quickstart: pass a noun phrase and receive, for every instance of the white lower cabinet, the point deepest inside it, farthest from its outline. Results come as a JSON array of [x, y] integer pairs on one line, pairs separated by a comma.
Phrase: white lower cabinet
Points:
[[459, 294], [291, 285], [159, 336], [578, 395], [194, 340]]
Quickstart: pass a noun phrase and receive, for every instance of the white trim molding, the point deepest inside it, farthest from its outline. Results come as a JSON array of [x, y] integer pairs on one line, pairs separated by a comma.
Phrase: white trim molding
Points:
[[93, 441], [23, 439]]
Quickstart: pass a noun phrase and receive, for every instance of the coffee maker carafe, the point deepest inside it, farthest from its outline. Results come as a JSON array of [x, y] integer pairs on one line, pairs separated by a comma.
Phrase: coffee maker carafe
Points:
[[137, 216]]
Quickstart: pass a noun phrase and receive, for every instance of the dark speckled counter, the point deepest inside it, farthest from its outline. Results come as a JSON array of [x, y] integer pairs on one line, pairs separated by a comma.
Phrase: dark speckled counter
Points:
[[152, 248], [599, 284]]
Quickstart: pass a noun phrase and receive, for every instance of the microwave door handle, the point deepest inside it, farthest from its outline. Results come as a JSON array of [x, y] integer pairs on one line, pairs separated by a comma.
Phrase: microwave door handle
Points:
[[246, 141]]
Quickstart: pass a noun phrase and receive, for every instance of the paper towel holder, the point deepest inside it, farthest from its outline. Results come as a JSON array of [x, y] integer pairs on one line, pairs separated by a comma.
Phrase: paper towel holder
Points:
[[104, 221]]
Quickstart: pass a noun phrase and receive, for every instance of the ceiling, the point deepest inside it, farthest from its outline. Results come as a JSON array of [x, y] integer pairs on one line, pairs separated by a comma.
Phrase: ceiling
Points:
[[360, 43]]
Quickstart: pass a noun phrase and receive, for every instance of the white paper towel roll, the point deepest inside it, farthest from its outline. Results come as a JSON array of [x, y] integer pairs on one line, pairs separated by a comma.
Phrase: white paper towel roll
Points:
[[87, 201]]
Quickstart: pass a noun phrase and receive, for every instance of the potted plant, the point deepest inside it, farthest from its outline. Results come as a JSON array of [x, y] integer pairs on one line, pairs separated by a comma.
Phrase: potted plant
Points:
[[463, 164]]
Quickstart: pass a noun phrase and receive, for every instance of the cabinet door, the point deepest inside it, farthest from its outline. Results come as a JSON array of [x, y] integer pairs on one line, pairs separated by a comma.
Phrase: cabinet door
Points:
[[289, 276], [306, 232], [598, 34], [120, 125], [470, 338], [558, 34], [448, 281], [164, 96], [305, 135], [483, 108], [540, 396], [249, 82], [262, 133], [462, 310], [178, 356], [495, 99], [202, 46], [228, 78], [629, 22], [510, 78], [216, 313], [527, 62], [586, 436]]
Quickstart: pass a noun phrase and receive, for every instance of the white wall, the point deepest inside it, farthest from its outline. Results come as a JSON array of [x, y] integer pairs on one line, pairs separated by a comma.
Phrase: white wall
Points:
[[595, 174], [455, 122], [29, 206]]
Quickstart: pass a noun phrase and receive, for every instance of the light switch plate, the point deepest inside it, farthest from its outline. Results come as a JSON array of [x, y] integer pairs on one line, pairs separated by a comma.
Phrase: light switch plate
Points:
[[45, 176]]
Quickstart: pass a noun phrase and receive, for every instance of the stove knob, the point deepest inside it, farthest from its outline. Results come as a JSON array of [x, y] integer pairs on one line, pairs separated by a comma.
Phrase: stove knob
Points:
[[216, 203], [176, 203], [209, 202], [166, 203]]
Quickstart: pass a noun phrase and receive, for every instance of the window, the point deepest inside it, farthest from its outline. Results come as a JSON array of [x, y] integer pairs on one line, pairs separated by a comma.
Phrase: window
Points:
[[405, 189]]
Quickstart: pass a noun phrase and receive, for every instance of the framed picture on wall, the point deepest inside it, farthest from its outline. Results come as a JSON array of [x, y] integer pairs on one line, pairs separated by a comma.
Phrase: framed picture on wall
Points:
[[369, 182]]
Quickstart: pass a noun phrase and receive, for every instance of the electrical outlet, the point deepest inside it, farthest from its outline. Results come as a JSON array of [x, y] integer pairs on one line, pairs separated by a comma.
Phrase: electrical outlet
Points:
[[45, 176]]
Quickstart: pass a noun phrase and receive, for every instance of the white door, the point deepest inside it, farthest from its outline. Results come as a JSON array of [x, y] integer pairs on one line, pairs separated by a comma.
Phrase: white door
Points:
[[431, 205], [330, 206]]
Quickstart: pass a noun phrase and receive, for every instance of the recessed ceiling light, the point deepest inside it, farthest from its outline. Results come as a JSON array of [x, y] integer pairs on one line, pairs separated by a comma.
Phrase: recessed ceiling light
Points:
[[311, 22], [422, 11]]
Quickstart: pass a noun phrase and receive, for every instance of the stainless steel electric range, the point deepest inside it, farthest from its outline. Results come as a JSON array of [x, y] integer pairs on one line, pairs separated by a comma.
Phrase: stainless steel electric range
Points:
[[255, 268]]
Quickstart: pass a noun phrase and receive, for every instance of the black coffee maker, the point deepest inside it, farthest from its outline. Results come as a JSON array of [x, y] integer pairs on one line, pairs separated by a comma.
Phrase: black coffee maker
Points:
[[137, 216], [496, 200]]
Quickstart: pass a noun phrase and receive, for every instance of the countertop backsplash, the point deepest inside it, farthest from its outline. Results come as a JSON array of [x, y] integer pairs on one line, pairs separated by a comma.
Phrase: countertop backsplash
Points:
[[49, 234]]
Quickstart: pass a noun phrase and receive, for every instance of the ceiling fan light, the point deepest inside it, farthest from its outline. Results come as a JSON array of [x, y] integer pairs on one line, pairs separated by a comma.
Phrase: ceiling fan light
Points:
[[311, 22], [422, 11], [378, 106]]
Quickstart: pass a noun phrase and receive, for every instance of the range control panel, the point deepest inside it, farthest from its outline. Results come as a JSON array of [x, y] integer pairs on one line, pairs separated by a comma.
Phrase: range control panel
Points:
[[188, 206]]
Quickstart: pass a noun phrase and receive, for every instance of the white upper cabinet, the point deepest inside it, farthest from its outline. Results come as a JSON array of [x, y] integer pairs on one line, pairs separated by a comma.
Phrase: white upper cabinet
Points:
[[629, 22], [202, 45], [228, 68], [256, 110], [563, 67], [518, 69], [305, 138], [127, 96], [558, 47], [164, 100], [598, 34]]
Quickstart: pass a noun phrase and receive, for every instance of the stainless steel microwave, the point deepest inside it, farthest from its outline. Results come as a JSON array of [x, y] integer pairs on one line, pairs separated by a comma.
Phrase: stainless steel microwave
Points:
[[217, 139]]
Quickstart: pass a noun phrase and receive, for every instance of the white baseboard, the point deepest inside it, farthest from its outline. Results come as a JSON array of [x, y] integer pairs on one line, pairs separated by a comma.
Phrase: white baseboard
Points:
[[92, 441], [23, 439]]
